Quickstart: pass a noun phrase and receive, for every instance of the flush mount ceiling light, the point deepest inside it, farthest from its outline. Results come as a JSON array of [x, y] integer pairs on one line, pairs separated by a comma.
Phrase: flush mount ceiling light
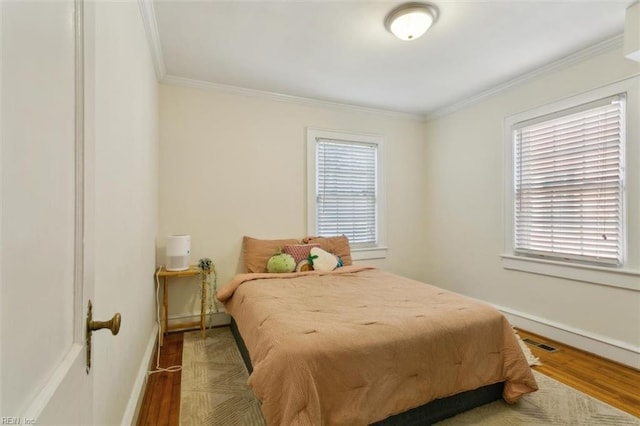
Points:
[[410, 20]]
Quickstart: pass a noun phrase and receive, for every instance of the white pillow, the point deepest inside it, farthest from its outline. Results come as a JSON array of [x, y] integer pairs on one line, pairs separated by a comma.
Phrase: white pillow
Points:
[[324, 261]]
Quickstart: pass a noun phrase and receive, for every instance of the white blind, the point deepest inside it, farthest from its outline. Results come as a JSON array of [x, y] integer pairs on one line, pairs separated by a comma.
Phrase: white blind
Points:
[[346, 186], [568, 183]]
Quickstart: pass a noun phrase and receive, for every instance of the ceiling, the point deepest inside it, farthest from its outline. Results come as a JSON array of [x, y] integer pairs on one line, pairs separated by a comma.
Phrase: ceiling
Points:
[[340, 51]]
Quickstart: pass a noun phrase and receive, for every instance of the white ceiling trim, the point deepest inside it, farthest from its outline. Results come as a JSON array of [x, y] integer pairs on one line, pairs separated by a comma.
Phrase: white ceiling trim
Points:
[[199, 84], [153, 36], [579, 56]]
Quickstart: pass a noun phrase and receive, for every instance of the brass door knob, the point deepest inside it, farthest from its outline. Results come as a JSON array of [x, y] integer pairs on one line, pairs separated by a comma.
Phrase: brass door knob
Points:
[[113, 324]]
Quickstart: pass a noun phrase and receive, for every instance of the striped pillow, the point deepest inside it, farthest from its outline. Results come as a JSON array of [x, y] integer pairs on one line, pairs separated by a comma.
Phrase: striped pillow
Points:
[[299, 251]]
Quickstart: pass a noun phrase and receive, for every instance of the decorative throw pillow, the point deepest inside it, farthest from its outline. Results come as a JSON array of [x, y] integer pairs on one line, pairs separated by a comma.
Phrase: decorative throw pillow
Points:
[[337, 245], [323, 260], [299, 251], [304, 266], [257, 252], [280, 263]]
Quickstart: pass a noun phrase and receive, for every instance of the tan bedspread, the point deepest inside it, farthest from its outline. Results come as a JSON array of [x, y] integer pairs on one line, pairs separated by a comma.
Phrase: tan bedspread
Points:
[[357, 345]]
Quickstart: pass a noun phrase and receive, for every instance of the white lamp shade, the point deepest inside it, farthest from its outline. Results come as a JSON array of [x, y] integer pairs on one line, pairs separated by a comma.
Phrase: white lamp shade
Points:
[[410, 21], [411, 25]]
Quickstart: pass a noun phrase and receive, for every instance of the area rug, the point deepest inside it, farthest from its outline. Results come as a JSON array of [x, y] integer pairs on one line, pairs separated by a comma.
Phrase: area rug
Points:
[[214, 387], [215, 392]]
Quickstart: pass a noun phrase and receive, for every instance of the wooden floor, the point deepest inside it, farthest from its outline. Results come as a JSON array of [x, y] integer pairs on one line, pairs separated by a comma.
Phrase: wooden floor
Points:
[[608, 381], [161, 403]]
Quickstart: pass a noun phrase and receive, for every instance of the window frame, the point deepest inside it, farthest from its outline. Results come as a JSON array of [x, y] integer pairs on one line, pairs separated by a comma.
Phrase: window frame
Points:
[[623, 276], [525, 248], [358, 252]]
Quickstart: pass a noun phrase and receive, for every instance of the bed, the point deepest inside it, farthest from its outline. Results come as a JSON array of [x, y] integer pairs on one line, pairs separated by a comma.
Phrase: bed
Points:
[[358, 346]]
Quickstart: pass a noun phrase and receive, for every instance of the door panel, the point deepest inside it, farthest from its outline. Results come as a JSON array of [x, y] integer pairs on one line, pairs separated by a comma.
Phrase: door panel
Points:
[[42, 368]]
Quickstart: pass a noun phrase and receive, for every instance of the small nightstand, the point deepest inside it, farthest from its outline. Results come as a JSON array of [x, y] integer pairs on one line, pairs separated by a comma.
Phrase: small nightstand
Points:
[[164, 321]]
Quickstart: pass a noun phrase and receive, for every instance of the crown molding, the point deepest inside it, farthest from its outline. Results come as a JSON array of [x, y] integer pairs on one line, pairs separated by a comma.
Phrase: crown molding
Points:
[[579, 56], [280, 97], [153, 36]]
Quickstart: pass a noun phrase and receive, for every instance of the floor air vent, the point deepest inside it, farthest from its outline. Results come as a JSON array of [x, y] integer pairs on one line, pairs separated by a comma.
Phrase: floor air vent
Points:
[[542, 346]]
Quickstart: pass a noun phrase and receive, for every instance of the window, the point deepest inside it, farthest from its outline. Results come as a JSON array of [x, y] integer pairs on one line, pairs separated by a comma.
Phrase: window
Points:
[[568, 183], [344, 191], [572, 187]]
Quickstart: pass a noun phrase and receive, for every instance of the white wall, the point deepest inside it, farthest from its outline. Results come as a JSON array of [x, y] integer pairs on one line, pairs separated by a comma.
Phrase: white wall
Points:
[[125, 203], [234, 165], [465, 223]]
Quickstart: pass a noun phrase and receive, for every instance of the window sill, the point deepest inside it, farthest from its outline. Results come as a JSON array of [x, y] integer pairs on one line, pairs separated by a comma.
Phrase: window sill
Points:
[[621, 278], [368, 253]]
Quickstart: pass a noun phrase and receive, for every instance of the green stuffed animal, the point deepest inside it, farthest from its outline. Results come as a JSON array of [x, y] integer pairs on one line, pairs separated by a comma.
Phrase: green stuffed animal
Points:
[[280, 263]]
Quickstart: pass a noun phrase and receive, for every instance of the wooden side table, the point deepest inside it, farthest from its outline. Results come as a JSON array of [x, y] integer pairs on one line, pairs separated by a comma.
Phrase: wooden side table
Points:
[[164, 321]]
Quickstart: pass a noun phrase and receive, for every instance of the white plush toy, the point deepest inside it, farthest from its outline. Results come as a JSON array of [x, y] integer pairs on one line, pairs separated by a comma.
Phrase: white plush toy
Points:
[[323, 260]]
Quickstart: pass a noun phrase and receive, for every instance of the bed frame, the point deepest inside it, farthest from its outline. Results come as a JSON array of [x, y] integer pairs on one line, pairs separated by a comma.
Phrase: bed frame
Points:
[[427, 414]]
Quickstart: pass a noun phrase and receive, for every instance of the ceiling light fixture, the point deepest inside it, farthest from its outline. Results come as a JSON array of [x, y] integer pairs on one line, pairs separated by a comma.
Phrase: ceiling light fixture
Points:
[[410, 20]]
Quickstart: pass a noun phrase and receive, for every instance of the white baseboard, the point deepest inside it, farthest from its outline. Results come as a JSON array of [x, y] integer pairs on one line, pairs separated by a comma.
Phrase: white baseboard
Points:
[[604, 346], [130, 416]]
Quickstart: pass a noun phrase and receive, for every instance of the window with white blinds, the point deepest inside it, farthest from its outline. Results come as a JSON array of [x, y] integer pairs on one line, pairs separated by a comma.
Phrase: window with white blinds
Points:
[[346, 190], [568, 183]]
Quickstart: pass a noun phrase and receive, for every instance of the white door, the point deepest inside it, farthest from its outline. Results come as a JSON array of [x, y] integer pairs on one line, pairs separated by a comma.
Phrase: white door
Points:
[[45, 285]]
